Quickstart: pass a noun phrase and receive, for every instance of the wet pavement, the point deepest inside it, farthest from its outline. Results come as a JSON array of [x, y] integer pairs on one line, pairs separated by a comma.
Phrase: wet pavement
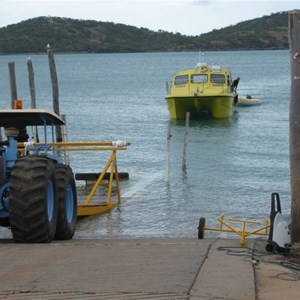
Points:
[[142, 269]]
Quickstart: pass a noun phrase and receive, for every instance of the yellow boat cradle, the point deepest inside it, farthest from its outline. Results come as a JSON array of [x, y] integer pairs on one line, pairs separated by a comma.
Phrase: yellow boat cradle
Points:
[[85, 207], [202, 89], [229, 225]]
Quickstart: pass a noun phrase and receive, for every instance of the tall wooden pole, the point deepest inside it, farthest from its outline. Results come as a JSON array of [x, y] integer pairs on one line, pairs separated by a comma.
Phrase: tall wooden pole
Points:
[[294, 40], [55, 94], [31, 82], [169, 135], [13, 84], [185, 143], [32, 94]]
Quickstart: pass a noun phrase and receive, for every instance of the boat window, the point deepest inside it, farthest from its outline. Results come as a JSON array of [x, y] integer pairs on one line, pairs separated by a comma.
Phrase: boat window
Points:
[[217, 78], [182, 79], [199, 78]]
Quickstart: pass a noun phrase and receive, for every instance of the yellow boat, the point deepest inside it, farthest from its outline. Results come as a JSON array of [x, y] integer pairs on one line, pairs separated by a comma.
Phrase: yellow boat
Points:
[[203, 89]]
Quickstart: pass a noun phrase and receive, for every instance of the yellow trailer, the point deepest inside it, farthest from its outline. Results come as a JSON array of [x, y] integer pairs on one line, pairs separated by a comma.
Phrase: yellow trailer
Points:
[[241, 227]]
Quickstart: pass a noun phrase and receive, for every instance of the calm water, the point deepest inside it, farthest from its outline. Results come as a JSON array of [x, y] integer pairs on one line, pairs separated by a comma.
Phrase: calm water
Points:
[[233, 165]]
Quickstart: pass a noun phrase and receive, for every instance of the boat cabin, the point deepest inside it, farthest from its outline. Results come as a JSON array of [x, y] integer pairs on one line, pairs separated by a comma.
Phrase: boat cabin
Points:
[[201, 79]]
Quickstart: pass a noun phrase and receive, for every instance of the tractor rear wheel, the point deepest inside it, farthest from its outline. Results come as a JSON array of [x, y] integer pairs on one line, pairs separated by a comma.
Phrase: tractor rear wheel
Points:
[[67, 203], [33, 199]]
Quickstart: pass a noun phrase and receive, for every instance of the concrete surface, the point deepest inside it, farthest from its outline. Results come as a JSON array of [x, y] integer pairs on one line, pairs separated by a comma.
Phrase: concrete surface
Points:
[[141, 269]]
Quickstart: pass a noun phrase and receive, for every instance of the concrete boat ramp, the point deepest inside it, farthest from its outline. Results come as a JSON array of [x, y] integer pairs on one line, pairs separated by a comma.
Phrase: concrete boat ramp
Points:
[[145, 269]]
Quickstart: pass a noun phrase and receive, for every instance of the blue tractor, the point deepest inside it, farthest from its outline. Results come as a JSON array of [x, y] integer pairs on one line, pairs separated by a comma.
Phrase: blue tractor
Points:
[[38, 198]]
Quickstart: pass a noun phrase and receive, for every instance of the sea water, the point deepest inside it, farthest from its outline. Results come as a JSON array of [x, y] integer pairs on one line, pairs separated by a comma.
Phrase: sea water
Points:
[[233, 165]]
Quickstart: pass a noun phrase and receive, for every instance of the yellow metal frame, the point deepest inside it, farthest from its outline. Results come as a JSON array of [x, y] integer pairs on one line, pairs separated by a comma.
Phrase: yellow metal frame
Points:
[[87, 209], [242, 232]]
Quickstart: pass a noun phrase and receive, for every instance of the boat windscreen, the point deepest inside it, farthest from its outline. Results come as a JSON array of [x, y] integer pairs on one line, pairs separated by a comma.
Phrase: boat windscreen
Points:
[[217, 78], [181, 79], [199, 78]]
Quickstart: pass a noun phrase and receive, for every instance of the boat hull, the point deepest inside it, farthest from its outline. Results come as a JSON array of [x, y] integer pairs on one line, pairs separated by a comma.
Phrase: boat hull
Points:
[[244, 101], [219, 107]]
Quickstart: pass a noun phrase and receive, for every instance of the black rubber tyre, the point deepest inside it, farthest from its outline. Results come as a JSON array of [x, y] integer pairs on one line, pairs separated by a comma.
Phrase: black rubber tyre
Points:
[[269, 247], [4, 200], [33, 200], [67, 203], [201, 228], [4, 222], [1, 172]]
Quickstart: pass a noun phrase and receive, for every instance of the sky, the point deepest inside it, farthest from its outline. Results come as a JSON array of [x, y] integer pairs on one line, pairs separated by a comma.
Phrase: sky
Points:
[[189, 17]]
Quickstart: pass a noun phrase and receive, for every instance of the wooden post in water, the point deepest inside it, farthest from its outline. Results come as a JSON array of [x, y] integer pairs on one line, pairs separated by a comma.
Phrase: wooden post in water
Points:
[[294, 40], [55, 94], [186, 134], [32, 94], [64, 130], [31, 82], [13, 85], [169, 135]]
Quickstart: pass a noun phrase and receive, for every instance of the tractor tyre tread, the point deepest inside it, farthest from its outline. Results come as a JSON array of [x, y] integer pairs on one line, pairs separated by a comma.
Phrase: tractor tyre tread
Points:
[[28, 194], [65, 228]]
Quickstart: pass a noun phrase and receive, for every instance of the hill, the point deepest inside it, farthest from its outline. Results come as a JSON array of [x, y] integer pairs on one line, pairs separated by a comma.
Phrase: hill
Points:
[[72, 35], [268, 32]]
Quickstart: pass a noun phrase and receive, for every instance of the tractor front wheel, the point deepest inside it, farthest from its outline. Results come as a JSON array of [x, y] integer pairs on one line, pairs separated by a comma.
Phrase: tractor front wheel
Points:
[[67, 203], [33, 199]]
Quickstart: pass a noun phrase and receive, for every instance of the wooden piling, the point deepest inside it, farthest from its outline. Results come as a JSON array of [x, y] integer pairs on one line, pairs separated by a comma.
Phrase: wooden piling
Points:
[[294, 40], [31, 82], [64, 132], [32, 94], [55, 93], [186, 134], [13, 84], [169, 135]]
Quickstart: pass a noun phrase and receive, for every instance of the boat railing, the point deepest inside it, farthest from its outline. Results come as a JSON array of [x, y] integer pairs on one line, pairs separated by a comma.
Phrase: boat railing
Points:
[[168, 87]]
